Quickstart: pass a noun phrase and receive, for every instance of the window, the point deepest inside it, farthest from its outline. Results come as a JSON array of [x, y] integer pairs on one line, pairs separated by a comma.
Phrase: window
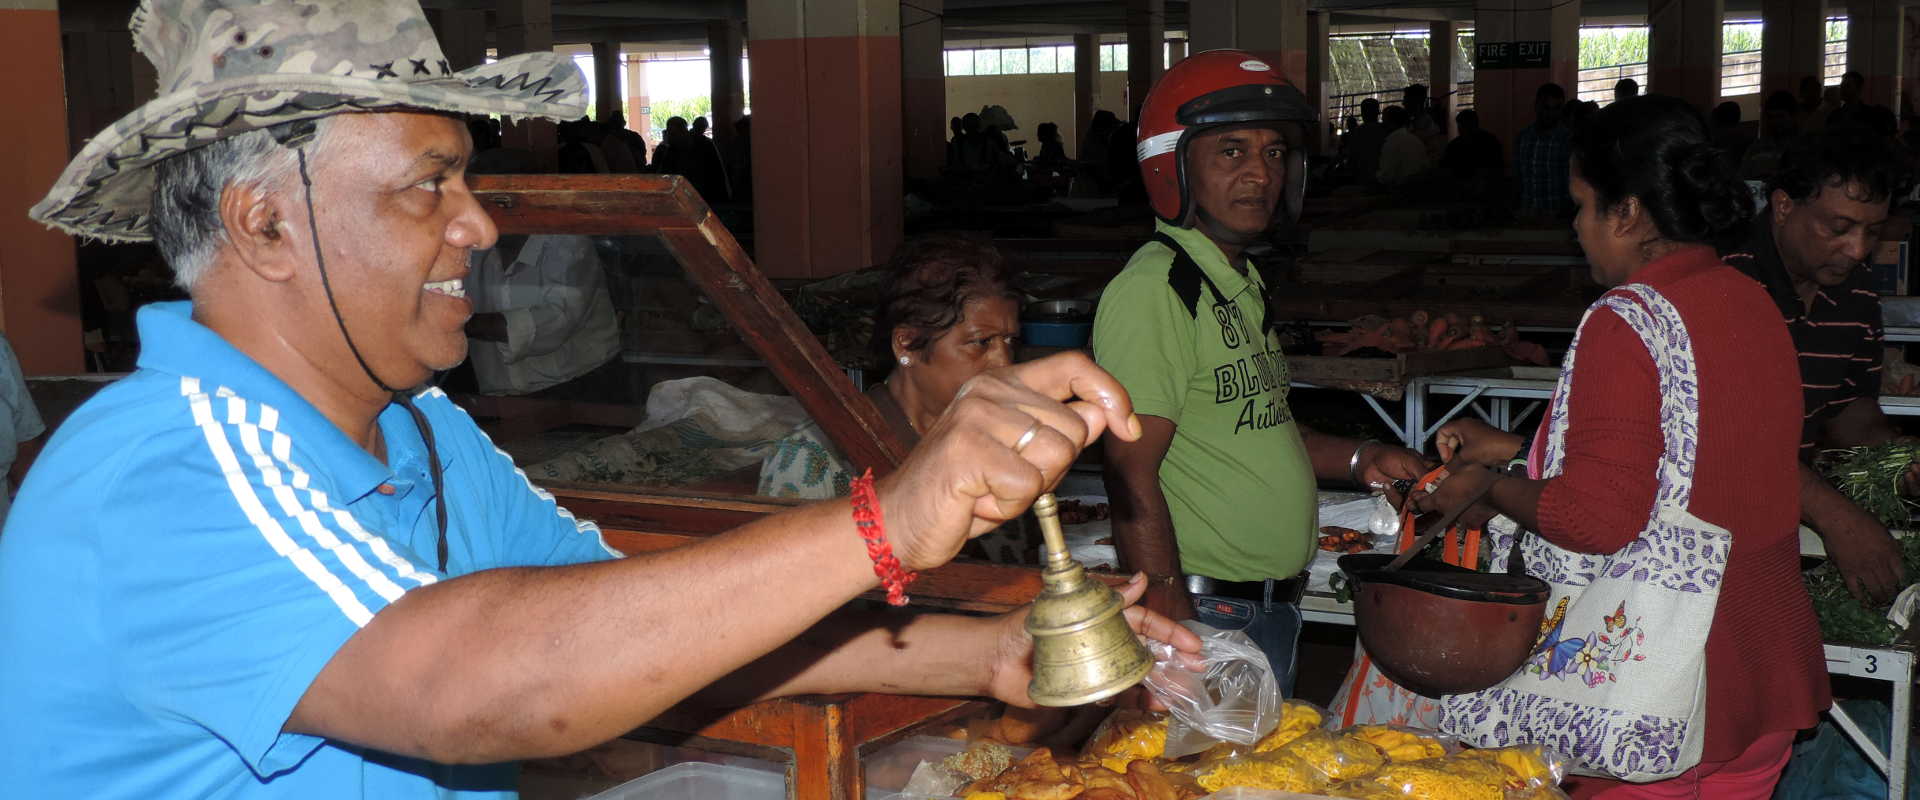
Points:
[[1740, 58], [1106, 58], [1040, 59], [959, 62], [1013, 61], [1836, 51], [1063, 59], [986, 62]]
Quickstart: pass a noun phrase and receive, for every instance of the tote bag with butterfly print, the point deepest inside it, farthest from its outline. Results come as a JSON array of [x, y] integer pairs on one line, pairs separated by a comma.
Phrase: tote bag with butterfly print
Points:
[[1617, 681]]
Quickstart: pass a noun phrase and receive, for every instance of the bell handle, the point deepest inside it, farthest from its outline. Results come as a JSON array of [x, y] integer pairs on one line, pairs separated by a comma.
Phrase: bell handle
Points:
[[1046, 509]]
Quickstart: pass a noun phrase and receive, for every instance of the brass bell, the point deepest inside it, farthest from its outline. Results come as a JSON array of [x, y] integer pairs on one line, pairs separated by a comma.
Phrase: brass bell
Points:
[[1083, 649]]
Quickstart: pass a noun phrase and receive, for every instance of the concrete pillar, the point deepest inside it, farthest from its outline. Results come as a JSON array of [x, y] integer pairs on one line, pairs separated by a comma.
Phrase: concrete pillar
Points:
[[1442, 52], [463, 35], [526, 26], [638, 101], [1319, 77], [1875, 38], [1146, 38], [1793, 43], [1086, 65], [1275, 30], [923, 87], [1504, 97], [606, 81], [39, 284], [827, 174], [1681, 31], [724, 41]]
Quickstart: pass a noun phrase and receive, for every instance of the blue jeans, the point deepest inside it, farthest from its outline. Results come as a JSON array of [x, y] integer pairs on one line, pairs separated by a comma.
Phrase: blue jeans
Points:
[[1274, 627]]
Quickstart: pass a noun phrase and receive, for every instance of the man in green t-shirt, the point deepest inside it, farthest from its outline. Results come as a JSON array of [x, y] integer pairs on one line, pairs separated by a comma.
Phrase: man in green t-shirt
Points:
[[1217, 499]]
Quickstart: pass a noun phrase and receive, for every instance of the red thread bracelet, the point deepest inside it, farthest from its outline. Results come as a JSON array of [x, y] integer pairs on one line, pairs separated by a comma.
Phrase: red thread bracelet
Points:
[[873, 528]]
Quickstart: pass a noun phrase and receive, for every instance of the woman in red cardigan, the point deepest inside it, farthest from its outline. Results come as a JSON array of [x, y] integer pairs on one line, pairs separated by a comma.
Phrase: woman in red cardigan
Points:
[[1652, 193]]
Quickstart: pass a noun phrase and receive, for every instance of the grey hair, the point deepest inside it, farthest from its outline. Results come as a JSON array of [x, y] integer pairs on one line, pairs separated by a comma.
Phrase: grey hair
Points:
[[186, 195]]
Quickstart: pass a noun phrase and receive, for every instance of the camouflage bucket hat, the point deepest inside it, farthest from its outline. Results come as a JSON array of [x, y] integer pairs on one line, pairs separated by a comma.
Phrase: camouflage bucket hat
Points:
[[227, 67]]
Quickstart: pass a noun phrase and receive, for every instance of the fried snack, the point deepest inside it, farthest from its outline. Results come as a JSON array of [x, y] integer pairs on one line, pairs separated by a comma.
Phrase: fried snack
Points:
[[986, 796], [1126, 736], [1297, 717], [1537, 793], [1525, 765], [1149, 783], [1337, 757], [1105, 784], [1271, 770], [1433, 779], [1398, 744], [980, 760], [1036, 777]]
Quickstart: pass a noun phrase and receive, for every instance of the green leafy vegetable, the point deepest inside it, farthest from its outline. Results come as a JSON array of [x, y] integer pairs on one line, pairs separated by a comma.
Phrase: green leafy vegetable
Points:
[[1870, 477]]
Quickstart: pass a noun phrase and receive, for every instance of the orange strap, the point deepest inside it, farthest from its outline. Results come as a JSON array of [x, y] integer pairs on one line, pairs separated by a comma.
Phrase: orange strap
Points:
[[1464, 551]]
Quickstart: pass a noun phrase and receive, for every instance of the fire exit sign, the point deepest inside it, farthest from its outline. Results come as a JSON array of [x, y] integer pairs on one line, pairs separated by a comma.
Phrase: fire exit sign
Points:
[[1511, 55]]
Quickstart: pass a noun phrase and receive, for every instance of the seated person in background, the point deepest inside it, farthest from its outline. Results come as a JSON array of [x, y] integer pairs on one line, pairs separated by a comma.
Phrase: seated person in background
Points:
[[1727, 133], [542, 316], [1540, 154], [1365, 142], [1403, 156], [948, 313], [1625, 88], [1825, 208], [1474, 150], [1778, 129]]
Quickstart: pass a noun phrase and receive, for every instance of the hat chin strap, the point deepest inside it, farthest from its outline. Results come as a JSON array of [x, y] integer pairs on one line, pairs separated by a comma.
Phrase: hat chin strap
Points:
[[399, 396]]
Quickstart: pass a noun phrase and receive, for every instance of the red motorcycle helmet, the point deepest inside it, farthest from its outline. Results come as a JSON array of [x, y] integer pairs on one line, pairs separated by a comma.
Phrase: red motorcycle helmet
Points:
[[1210, 90]]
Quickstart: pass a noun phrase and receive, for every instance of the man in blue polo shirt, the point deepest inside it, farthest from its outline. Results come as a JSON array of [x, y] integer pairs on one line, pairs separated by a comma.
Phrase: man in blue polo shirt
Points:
[[255, 569]]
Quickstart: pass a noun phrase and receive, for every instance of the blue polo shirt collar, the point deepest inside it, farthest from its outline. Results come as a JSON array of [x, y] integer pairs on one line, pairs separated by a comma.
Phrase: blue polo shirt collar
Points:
[[172, 342]]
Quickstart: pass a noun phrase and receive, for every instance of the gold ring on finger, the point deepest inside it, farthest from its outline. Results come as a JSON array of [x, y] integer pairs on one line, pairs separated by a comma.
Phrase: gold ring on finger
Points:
[[1026, 438]]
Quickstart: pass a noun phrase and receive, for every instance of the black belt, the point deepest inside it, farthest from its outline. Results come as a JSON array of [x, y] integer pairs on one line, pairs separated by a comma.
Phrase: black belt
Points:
[[1289, 590]]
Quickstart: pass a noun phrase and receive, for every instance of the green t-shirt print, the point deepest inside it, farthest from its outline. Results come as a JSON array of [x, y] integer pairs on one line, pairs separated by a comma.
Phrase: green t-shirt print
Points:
[[1238, 483]]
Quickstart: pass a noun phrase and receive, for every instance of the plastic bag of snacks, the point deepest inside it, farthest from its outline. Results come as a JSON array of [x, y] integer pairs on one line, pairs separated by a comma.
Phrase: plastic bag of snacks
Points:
[[1125, 736], [1274, 769], [1337, 757], [1297, 718], [1528, 766], [1224, 751], [1235, 699], [1402, 744], [1537, 793], [1451, 778]]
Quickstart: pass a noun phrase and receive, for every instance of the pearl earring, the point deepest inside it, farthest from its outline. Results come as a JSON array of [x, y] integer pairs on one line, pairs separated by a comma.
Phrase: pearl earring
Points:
[[903, 361]]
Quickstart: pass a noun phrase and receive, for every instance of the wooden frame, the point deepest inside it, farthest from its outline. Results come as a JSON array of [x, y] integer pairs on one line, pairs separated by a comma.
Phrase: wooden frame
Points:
[[666, 206]]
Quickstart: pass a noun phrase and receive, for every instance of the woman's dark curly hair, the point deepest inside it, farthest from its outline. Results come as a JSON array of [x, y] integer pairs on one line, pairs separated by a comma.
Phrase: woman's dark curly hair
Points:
[[930, 281], [1656, 148]]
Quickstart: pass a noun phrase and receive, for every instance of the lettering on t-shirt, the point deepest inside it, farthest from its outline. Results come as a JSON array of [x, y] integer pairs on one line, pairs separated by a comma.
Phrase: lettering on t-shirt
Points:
[[1253, 380]]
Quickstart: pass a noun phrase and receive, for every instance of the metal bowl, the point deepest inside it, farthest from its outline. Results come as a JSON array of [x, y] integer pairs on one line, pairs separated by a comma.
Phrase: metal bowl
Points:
[[1437, 629], [1059, 311]]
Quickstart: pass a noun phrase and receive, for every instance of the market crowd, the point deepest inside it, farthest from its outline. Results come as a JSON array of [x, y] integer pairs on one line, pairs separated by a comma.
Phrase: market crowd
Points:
[[275, 561]]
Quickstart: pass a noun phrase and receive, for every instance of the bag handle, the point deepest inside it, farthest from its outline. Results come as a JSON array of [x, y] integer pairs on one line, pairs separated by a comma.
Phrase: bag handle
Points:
[[1664, 335]]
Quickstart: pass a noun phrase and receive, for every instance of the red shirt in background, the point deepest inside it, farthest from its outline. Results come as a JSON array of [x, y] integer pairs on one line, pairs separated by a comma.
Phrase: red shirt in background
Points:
[[1765, 668]]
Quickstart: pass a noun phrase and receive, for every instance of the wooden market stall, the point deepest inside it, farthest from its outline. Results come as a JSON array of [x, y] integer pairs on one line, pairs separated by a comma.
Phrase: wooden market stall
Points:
[[662, 218]]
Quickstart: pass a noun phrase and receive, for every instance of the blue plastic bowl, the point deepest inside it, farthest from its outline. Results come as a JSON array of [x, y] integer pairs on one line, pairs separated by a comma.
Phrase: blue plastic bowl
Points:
[[1056, 334]]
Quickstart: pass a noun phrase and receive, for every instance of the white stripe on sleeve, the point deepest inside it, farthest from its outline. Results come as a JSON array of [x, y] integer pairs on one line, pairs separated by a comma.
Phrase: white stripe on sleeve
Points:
[[268, 527]]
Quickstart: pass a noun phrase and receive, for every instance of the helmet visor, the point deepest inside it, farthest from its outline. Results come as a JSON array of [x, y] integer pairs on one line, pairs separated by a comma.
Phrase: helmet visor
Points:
[[1246, 103]]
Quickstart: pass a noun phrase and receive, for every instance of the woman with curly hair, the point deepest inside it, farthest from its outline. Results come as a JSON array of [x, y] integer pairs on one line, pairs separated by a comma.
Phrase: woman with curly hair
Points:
[[948, 312]]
